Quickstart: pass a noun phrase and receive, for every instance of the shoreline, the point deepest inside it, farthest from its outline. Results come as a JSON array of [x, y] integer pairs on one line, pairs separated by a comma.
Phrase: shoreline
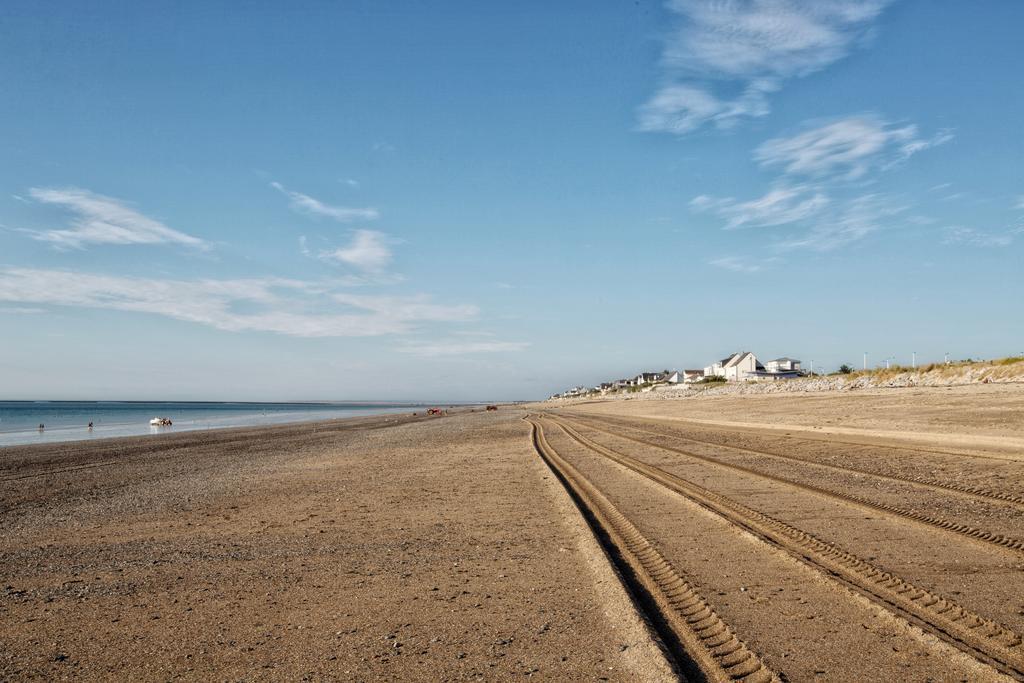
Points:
[[134, 429], [203, 436]]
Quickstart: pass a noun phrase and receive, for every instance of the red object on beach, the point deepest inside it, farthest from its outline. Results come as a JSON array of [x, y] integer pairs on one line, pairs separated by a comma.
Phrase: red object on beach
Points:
[[433, 411]]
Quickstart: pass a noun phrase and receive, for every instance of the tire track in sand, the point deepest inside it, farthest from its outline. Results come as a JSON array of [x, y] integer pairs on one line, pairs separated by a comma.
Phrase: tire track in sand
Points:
[[710, 645], [984, 639], [982, 492], [967, 530]]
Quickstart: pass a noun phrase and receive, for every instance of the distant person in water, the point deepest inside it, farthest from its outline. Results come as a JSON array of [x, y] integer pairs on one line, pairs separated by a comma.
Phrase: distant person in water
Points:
[[90, 426], [41, 427]]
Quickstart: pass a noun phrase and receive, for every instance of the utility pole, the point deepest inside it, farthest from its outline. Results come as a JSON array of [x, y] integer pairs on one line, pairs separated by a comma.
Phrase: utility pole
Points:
[[947, 357], [812, 366], [913, 362], [886, 363], [865, 360]]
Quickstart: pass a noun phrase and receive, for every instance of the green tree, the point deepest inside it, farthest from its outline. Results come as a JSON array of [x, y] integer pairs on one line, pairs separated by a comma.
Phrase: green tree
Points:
[[845, 369]]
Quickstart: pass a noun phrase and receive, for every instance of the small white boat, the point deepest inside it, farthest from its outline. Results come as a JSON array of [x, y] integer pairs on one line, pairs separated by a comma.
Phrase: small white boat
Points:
[[160, 422]]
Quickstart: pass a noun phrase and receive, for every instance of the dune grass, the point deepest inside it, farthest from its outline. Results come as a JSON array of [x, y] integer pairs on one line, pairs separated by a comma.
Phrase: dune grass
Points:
[[998, 367]]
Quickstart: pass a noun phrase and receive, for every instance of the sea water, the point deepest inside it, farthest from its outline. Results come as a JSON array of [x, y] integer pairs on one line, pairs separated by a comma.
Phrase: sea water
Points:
[[68, 420]]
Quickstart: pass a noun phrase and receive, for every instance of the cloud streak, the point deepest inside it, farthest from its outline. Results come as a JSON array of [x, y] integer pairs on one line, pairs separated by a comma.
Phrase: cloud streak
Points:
[[104, 220], [852, 221], [310, 206], [828, 224], [813, 192], [681, 108], [368, 251], [848, 147], [780, 206], [748, 47], [289, 307]]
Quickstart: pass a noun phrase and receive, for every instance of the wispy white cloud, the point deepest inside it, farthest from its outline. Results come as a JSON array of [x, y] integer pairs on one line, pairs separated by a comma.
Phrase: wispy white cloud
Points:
[[827, 156], [960, 235], [743, 39], [850, 147], [351, 182], [827, 224], [852, 221], [780, 206], [282, 306], [736, 264], [751, 46], [104, 220], [368, 251], [460, 347], [303, 203], [681, 108]]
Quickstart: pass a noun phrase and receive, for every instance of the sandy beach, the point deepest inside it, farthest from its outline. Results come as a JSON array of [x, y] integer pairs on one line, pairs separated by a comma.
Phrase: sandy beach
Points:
[[362, 549], [754, 538]]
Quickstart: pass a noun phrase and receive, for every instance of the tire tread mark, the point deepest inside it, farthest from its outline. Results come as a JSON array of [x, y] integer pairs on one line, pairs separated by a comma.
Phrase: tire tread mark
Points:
[[995, 644], [713, 646], [965, 489], [970, 532]]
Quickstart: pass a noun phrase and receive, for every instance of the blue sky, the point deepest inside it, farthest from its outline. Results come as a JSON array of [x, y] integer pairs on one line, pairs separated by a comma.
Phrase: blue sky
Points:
[[458, 201]]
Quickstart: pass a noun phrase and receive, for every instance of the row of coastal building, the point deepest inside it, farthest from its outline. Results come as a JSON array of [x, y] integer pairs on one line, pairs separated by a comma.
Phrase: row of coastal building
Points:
[[743, 365]]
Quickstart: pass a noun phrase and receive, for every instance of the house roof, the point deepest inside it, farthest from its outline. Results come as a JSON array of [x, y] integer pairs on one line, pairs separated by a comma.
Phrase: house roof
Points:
[[694, 372], [735, 358], [784, 360]]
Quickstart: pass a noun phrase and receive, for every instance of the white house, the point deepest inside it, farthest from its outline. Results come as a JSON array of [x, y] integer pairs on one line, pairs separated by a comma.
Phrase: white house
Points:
[[740, 366], [717, 369], [649, 378], [691, 376], [683, 376], [782, 365]]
